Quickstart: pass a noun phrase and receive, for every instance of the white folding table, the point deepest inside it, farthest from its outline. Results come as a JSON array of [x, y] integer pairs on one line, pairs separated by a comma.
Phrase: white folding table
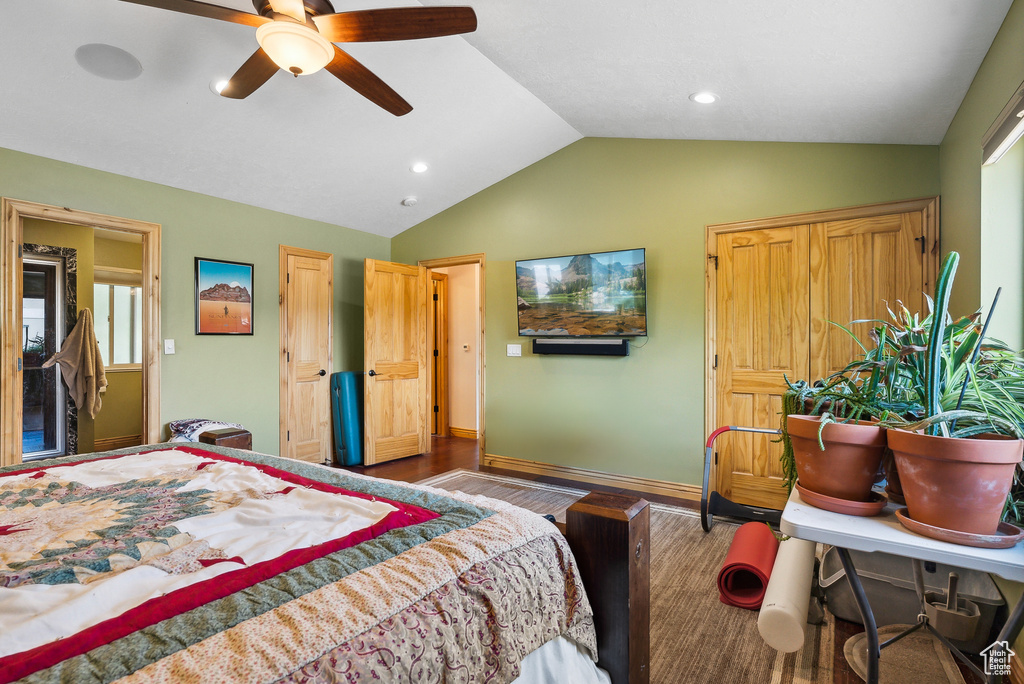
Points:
[[885, 533]]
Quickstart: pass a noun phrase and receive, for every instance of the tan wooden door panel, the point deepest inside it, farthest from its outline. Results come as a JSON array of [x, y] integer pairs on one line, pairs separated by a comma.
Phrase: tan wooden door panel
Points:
[[762, 326], [307, 304], [856, 266], [396, 389]]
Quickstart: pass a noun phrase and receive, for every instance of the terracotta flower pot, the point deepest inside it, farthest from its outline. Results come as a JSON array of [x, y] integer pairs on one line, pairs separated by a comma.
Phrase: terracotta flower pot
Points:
[[956, 484], [846, 468]]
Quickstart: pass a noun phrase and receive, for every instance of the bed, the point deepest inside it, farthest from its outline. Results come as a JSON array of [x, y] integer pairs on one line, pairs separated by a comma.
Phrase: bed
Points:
[[191, 562]]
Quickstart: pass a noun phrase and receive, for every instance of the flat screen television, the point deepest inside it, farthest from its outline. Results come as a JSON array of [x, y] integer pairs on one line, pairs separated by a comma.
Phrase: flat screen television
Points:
[[602, 294]]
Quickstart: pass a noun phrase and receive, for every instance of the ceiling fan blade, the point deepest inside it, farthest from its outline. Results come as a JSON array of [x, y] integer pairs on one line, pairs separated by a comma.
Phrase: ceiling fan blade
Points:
[[366, 83], [256, 71], [202, 9], [396, 23], [291, 8]]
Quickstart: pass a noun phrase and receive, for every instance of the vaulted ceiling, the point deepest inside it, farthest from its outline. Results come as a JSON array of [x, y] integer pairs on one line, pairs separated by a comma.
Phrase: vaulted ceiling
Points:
[[535, 76]]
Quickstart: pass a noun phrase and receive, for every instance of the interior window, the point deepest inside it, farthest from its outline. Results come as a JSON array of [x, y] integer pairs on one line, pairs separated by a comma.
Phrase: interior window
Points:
[[117, 310]]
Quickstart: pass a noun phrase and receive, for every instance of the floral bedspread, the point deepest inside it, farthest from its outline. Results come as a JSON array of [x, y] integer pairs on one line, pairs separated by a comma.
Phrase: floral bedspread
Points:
[[428, 587]]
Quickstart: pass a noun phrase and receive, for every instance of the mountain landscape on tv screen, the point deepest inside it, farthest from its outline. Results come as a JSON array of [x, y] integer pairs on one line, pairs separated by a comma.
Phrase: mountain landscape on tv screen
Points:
[[583, 295]]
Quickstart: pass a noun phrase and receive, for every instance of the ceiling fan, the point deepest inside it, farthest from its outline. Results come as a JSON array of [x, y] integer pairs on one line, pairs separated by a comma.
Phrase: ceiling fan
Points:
[[298, 36]]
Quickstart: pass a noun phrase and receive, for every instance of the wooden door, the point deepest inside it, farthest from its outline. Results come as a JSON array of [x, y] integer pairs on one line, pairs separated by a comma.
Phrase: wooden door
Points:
[[439, 353], [778, 283], [307, 295], [856, 266], [396, 388], [762, 314]]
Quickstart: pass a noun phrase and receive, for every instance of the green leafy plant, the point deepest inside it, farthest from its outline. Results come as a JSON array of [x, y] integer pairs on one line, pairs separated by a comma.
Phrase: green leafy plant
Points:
[[929, 373]]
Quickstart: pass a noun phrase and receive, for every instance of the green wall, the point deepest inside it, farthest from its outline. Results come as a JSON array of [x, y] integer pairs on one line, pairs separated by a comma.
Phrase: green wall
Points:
[[642, 415], [231, 378]]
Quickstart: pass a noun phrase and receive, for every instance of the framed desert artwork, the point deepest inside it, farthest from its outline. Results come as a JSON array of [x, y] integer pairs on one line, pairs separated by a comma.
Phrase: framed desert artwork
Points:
[[223, 297]]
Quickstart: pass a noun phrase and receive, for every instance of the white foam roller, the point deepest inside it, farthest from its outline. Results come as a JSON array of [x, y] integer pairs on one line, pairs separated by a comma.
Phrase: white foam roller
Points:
[[783, 617]]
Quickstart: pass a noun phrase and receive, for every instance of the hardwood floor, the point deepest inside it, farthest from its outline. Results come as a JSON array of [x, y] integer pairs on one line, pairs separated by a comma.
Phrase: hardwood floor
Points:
[[446, 453], [452, 453]]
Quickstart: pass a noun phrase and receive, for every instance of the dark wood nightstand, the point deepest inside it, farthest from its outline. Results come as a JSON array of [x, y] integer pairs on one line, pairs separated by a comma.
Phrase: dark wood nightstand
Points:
[[228, 437]]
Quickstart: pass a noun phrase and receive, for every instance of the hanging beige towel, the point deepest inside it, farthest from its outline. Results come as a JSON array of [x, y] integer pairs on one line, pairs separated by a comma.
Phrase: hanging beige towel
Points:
[[82, 366]]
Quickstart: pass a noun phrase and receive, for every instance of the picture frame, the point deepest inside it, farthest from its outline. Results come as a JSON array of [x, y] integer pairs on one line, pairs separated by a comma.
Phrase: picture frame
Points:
[[224, 297]]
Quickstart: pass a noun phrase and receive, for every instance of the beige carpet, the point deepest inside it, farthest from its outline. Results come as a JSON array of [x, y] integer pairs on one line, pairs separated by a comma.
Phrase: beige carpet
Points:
[[694, 637]]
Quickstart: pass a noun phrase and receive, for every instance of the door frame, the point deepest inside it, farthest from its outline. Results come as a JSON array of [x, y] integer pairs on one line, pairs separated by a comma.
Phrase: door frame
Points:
[[928, 205], [284, 251], [439, 380], [13, 213], [466, 260]]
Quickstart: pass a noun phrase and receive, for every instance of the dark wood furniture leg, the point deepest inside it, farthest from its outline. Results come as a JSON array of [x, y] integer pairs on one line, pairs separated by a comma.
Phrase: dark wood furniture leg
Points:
[[610, 538], [228, 437]]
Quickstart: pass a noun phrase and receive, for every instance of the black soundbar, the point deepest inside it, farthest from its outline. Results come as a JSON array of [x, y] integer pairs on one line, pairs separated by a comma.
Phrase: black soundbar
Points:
[[615, 347]]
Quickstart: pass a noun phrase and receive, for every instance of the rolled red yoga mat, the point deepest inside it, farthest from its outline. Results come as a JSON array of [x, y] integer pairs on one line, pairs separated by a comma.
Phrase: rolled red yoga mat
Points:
[[743, 578]]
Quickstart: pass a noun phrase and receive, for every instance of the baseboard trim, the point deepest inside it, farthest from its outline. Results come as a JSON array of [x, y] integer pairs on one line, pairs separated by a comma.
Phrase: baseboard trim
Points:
[[1016, 670], [463, 432], [639, 484], [108, 443]]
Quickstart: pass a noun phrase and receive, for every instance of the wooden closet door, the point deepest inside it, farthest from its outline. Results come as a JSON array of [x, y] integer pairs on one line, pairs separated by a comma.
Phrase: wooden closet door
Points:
[[856, 266], [396, 400], [762, 326]]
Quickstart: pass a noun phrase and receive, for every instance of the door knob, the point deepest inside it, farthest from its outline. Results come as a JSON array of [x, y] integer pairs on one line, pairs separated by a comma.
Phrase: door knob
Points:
[[372, 373], [322, 373]]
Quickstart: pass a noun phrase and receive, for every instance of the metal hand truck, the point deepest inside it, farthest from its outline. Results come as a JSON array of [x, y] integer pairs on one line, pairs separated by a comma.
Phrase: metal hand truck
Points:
[[716, 504]]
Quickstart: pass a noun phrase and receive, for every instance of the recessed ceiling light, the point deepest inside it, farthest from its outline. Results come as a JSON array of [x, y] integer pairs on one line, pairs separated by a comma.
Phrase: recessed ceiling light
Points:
[[107, 61], [409, 201], [217, 85], [419, 167], [704, 97]]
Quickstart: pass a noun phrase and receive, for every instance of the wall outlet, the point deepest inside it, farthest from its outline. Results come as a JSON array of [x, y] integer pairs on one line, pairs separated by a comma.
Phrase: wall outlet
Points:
[[514, 350], [168, 346]]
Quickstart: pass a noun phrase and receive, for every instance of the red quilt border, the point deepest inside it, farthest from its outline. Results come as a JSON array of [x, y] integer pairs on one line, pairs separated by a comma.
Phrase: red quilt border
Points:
[[155, 610]]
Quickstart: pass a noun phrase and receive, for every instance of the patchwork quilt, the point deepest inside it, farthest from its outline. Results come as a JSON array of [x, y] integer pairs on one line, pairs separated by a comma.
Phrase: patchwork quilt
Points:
[[200, 563]]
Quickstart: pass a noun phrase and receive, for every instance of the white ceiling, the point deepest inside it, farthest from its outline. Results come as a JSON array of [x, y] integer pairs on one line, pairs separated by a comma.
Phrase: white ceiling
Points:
[[535, 76]]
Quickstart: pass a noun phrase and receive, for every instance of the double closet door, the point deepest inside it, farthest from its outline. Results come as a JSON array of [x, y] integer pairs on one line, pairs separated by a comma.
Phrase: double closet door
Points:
[[776, 285]]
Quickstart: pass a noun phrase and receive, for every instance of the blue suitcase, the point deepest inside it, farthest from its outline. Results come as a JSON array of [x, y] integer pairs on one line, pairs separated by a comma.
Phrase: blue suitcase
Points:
[[347, 407]]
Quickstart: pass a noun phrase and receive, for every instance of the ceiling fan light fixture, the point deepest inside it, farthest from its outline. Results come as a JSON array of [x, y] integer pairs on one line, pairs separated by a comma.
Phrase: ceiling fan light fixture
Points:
[[294, 47]]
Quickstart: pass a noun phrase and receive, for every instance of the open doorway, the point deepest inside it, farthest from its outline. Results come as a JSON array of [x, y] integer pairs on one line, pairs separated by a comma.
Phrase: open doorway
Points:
[[462, 395], [56, 262]]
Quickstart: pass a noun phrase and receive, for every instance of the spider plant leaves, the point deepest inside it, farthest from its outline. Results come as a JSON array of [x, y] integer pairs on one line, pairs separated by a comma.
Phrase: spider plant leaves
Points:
[[943, 290]]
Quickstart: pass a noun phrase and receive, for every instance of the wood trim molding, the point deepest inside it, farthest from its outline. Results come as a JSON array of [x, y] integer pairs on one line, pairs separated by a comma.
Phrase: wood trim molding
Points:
[[929, 206], [464, 260], [638, 484], [826, 215], [12, 216], [109, 443], [462, 432]]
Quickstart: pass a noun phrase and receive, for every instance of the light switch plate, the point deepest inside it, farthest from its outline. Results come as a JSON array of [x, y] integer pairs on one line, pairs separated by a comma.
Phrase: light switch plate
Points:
[[514, 350], [168, 346]]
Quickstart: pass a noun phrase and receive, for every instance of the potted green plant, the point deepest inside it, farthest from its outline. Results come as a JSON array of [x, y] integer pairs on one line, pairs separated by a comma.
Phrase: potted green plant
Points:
[[831, 442], [956, 466]]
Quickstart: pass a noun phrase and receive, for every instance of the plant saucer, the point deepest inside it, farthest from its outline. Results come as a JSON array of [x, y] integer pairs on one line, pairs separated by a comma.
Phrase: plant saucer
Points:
[[873, 506], [1006, 535]]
